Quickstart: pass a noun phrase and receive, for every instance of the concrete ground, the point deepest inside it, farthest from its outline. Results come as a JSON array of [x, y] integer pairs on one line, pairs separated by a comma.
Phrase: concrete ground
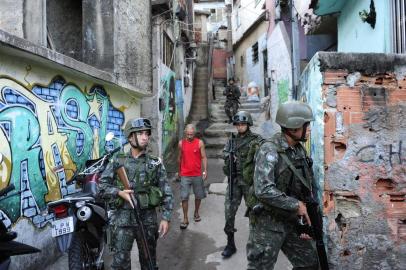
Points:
[[198, 247]]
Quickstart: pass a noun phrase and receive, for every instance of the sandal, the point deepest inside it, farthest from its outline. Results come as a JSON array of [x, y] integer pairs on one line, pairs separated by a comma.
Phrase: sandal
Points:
[[197, 218], [184, 225]]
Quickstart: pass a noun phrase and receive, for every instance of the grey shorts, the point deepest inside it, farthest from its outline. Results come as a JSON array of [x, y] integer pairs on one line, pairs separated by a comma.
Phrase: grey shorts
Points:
[[186, 182]]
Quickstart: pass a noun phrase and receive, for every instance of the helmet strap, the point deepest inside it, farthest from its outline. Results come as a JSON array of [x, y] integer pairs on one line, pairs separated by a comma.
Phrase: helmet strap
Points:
[[302, 138], [136, 145]]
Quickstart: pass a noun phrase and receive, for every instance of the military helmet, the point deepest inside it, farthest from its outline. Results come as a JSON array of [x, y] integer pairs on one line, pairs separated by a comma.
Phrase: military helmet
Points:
[[242, 117], [137, 124], [294, 114]]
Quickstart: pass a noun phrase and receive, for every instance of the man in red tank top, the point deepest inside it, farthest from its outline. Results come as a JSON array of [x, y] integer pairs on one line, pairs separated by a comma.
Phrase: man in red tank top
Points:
[[192, 155]]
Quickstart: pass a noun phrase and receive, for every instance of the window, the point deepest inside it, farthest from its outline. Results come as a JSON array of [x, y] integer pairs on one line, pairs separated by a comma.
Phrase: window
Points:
[[398, 26], [255, 52], [167, 51], [242, 60]]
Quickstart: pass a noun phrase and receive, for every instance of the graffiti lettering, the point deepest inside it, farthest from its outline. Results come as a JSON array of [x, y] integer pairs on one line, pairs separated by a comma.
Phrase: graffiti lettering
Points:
[[370, 153], [46, 134]]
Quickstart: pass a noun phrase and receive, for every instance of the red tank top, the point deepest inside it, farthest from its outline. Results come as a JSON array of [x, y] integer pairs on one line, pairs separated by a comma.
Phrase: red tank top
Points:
[[191, 162]]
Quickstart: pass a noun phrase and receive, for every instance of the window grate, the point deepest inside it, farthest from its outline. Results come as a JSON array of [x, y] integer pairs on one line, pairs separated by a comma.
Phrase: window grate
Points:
[[255, 52]]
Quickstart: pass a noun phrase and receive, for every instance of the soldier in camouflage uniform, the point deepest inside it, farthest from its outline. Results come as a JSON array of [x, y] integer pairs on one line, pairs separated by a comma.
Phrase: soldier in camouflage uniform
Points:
[[232, 94], [149, 184], [242, 143], [282, 180]]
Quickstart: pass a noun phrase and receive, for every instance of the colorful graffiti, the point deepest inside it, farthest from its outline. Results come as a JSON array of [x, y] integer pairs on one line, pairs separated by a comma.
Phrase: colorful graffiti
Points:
[[169, 121], [283, 91], [46, 134]]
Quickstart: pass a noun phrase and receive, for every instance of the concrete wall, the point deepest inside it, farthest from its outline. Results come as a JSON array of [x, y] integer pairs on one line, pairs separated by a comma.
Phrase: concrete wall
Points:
[[357, 143], [248, 12], [24, 19], [132, 43], [357, 36], [200, 26], [64, 23], [219, 64], [169, 91], [211, 26], [279, 67], [244, 72], [52, 119]]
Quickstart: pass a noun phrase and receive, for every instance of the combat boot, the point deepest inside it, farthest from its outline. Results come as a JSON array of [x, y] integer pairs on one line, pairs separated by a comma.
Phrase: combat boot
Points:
[[230, 249]]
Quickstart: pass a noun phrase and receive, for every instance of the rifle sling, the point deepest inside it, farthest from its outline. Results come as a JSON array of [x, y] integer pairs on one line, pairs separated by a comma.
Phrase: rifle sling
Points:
[[294, 170]]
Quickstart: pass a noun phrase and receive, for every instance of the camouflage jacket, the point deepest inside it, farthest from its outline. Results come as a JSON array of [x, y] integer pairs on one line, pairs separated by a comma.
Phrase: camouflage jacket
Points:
[[275, 184], [232, 92], [146, 170], [242, 145]]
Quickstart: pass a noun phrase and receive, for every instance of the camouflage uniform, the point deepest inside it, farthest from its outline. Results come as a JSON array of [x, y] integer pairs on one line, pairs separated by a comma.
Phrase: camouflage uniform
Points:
[[242, 146], [232, 94], [279, 190], [143, 172]]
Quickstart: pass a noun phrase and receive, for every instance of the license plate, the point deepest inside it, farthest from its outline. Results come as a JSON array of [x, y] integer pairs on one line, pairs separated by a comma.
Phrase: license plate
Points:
[[62, 226]]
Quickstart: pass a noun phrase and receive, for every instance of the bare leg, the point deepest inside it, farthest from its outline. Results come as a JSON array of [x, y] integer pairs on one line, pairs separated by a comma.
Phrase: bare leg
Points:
[[197, 206], [185, 207]]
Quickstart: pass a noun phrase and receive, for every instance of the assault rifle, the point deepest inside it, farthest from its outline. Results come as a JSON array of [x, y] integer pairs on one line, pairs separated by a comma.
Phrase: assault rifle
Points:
[[122, 175], [315, 231], [231, 166]]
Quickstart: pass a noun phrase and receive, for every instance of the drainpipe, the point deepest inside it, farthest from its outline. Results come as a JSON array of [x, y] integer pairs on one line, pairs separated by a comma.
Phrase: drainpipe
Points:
[[294, 49]]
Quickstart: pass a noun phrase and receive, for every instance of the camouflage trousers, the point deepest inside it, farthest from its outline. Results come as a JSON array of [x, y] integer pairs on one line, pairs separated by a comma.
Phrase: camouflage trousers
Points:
[[268, 236], [231, 205], [122, 242], [231, 107]]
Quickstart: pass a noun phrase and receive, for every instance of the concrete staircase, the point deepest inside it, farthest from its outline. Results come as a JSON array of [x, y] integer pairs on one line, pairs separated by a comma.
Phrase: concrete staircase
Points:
[[216, 135], [199, 109]]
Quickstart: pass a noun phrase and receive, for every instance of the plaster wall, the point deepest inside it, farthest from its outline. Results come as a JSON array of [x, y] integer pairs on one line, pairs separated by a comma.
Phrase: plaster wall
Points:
[[357, 36], [248, 12], [243, 52], [359, 130], [255, 70], [279, 67]]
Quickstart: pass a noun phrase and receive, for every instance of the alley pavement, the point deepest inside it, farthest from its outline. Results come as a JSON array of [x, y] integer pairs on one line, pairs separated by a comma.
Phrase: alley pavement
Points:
[[199, 246]]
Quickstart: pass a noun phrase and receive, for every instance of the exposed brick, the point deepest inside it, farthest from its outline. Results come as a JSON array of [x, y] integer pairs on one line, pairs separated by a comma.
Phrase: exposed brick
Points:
[[335, 76]]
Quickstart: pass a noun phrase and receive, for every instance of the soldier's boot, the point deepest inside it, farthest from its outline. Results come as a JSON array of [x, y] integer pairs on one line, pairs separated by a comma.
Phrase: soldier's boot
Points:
[[230, 248]]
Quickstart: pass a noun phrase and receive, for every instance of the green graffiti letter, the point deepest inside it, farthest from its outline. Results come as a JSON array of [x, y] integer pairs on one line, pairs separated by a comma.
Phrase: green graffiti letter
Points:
[[72, 93], [24, 134]]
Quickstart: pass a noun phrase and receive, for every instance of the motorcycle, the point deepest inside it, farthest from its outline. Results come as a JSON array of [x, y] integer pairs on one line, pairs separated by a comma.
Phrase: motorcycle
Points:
[[9, 247], [81, 219]]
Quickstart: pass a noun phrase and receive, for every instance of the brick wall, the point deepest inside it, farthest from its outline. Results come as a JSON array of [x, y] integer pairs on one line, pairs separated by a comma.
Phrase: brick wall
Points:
[[360, 101]]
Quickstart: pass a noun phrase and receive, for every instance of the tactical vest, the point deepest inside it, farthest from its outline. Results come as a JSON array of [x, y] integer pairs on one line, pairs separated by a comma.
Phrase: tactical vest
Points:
[[144, 180], [293, 176], [242, 148]]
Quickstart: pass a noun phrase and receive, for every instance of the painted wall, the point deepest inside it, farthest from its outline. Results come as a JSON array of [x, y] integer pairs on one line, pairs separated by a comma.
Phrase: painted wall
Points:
[[279, 67], [51, 122], [357, 142], [248, 12], [357, 36], [242, 71], [169, 113], [255, 70], [219, 64]]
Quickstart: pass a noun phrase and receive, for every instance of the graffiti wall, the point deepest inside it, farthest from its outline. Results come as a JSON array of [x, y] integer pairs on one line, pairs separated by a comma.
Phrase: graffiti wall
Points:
[[168, 108], [47, 132]]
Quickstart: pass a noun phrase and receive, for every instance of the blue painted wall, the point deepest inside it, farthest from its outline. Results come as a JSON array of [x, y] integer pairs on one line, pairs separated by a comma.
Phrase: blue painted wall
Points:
[[310, 91], [354, 35]]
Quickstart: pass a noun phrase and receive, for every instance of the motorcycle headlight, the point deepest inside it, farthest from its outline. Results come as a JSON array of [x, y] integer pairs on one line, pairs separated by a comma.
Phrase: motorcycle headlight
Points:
[[84, 213]]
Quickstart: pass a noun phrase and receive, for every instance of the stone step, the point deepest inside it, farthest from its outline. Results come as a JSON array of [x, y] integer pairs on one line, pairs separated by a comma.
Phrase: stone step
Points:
[[215, 142], [214, 153]]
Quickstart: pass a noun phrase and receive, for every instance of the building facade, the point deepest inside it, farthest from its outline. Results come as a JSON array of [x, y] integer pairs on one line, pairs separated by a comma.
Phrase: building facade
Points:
[[70, 72]]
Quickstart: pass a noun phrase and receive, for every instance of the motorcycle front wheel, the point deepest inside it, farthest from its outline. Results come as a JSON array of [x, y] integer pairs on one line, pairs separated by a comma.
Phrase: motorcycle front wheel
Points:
[[79, 255]]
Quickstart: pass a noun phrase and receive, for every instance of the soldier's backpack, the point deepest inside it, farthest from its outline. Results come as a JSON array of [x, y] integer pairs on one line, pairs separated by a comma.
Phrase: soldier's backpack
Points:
[[249, 165]]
